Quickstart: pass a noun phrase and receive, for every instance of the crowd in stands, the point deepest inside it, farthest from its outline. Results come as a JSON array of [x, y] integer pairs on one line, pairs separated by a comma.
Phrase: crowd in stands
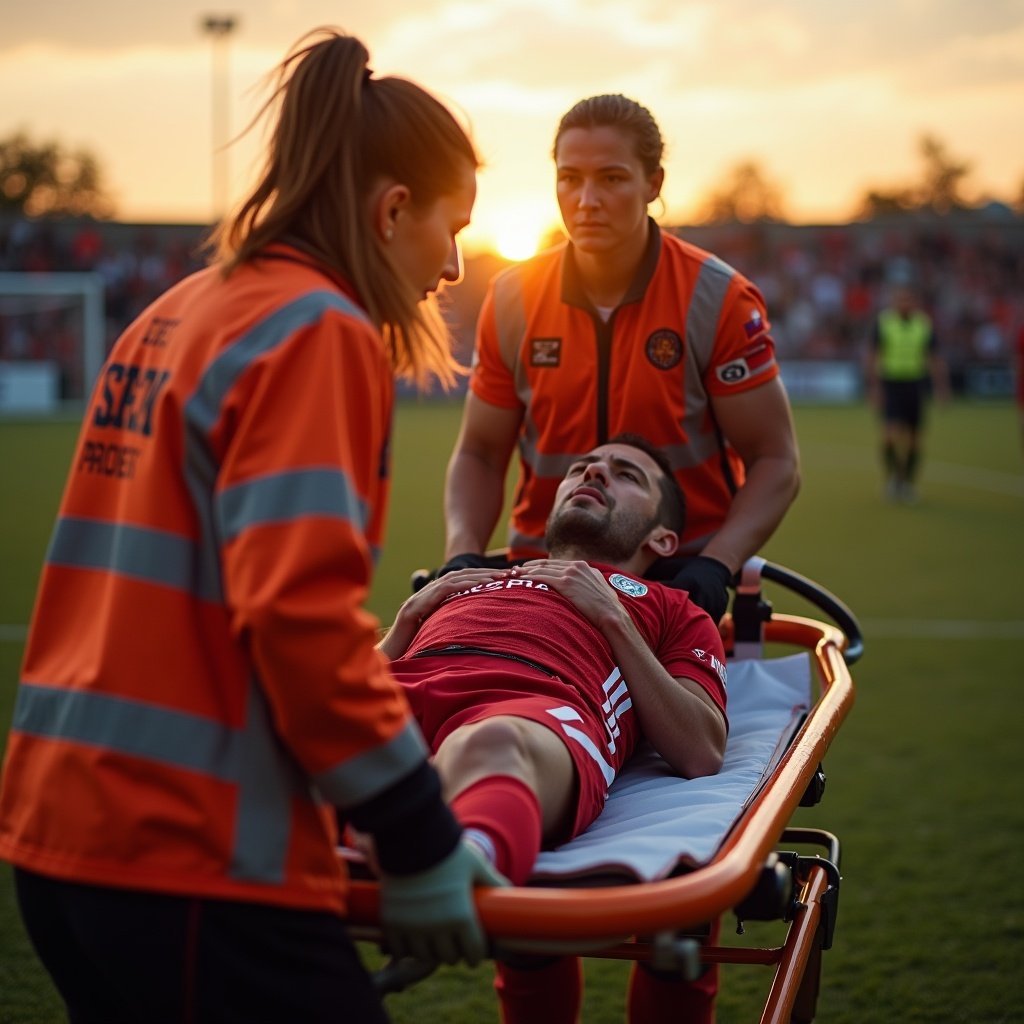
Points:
[[823, 284]]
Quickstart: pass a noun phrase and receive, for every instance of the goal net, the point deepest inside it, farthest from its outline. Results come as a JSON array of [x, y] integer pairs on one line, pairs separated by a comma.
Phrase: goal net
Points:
[[52, 340]]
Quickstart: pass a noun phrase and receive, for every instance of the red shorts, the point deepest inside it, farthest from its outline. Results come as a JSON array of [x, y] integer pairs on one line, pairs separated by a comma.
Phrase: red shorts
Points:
[[448, 691]]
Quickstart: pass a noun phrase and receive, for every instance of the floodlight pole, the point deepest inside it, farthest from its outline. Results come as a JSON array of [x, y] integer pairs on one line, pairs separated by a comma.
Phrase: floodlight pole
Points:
[[219, 27]]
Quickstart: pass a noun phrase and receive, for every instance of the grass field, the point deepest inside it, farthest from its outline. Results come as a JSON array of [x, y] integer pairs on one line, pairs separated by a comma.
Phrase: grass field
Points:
[[925, 778]]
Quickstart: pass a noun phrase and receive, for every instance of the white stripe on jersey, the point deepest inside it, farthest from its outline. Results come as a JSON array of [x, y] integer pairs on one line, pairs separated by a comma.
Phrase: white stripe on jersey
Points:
[[617, 704], [588, 745], [565, 714]]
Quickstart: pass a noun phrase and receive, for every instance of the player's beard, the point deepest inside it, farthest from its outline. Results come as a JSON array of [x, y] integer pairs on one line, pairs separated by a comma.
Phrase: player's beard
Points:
[[598, 535]]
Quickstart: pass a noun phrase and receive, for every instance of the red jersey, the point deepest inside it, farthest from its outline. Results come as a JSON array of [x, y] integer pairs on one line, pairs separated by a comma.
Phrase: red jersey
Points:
[[525, 619], [689, 328]]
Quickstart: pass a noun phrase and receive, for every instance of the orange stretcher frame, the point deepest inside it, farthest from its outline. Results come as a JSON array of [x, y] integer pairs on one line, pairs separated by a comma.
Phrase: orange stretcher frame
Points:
[[643, 920]]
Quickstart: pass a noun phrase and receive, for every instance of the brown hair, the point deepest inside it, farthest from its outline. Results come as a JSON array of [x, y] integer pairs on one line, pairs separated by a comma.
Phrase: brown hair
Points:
[[337, 132], [617, 111]]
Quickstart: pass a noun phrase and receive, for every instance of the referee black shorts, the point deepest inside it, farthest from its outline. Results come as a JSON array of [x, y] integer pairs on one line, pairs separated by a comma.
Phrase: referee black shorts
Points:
[[903, 402]]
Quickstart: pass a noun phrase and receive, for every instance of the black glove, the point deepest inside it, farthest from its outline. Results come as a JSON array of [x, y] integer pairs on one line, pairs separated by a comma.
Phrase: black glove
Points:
[[707, 582], [469, 560]]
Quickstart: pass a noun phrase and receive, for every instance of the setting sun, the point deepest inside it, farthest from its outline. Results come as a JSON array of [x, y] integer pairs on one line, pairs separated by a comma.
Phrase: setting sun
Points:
[[515, 231]]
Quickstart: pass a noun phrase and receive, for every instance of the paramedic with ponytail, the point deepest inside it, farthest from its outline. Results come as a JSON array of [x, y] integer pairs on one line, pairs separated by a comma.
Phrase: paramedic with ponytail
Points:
[[201, 697], [623, 327]]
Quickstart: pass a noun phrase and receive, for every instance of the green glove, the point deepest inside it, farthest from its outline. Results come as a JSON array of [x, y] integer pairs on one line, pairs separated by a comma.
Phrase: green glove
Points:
[[431, 915]]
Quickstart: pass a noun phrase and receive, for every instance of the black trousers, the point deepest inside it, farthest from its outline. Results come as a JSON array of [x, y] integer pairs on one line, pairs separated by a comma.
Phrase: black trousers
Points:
[[119, 956]]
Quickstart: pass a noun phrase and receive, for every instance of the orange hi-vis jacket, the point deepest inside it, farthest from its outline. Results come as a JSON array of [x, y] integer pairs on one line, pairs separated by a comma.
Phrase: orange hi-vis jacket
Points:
[[201, 681], [689, 328]]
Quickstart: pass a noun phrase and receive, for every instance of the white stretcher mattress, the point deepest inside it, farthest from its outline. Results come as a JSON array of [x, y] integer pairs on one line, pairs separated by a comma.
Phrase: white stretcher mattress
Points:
[[654, 820]]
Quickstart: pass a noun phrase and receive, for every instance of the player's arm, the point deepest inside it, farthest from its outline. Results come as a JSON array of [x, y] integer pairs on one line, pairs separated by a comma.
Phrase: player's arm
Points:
[[759, 424], [475, 482], [425, 602], [677, 715]]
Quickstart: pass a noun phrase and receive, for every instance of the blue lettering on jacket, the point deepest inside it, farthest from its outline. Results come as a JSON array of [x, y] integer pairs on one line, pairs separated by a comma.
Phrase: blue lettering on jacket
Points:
[[129, 391]]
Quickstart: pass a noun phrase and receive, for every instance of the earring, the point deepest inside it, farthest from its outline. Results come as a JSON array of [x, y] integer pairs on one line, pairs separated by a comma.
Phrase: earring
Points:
[[389, 234]]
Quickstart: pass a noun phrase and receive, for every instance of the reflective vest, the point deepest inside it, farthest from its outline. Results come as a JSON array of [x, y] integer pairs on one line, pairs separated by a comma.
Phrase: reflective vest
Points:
[[689, 328], [903, 345], [200, 678]]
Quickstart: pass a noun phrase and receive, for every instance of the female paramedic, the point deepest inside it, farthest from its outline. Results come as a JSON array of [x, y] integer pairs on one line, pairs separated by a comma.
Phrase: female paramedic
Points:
[[201, 697], [622, 328]]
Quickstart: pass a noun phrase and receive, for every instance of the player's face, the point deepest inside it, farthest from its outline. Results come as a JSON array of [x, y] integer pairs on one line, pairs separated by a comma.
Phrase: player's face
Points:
[[424, 247], [608, 500], [603, 190]]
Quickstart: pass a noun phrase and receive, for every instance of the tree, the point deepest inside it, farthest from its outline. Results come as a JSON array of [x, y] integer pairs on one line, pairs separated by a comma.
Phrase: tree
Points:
[[747, 197], [878, 202], [939, 190], [38, 179], [943, 177]]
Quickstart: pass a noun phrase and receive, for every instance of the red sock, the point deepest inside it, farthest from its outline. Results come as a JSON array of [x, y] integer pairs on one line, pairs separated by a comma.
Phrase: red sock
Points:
[[655, 999], [550, 993], [507, 814]]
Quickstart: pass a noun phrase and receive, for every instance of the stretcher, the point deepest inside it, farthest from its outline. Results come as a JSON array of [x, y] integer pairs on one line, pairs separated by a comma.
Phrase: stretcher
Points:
[[668, 855]]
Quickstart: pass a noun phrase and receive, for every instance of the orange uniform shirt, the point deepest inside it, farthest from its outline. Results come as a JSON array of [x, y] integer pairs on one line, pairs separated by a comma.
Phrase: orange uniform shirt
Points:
[[689, 328], [200, 677]]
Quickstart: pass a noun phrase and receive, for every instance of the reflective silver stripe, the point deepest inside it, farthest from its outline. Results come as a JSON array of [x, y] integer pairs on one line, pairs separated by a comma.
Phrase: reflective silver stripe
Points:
[[510, 320], [131, 727], [202, 411], [220, 376], [252, 758], [363, 777], [154, 556], [289, 495], [269, 781], [702, 318]]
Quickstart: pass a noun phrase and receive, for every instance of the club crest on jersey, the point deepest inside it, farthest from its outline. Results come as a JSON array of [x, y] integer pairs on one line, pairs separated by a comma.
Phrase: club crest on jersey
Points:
[[545, 351], [631, 587], [664, 349]]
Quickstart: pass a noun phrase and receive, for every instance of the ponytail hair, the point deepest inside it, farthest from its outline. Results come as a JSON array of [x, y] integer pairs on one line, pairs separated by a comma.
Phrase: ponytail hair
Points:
[[338, 131]]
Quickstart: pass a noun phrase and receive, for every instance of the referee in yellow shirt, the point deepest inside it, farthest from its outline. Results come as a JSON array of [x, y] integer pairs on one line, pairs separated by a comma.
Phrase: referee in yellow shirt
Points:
[[903, 360]]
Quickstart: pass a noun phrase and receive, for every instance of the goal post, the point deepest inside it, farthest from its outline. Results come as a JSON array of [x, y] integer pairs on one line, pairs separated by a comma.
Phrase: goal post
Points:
[[52, 339]]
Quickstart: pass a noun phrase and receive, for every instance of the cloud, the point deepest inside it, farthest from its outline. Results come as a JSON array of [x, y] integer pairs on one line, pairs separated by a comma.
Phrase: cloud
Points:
[[824, 96]]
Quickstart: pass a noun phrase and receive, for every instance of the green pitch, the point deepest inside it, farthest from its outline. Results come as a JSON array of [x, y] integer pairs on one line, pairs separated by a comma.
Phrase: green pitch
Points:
[[925, 780]]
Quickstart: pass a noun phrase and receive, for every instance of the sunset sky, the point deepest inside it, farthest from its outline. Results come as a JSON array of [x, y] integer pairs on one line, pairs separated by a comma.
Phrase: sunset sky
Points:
[[828, 98]]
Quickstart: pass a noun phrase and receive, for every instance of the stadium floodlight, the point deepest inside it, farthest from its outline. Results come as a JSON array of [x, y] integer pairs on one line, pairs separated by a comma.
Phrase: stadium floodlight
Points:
[[219, 27]]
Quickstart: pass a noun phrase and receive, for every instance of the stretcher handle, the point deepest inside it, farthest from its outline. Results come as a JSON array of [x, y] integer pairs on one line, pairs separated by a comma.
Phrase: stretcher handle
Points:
[[823, 599]]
